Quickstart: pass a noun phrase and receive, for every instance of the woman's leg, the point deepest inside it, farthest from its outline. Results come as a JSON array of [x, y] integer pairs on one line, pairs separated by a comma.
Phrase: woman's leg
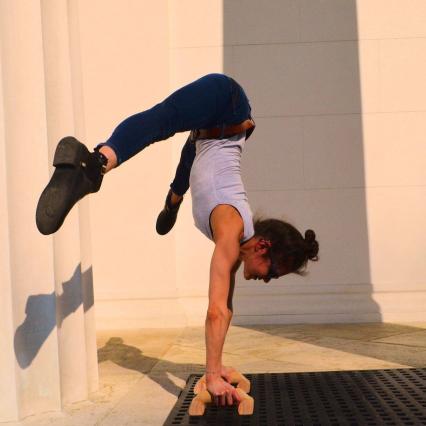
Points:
[[180, 183], [167, 217], [206, 102], [196, 105]]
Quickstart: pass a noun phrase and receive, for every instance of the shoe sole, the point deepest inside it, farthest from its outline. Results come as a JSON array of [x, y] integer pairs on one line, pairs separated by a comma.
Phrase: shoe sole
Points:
[[56, 199], [165, 222]]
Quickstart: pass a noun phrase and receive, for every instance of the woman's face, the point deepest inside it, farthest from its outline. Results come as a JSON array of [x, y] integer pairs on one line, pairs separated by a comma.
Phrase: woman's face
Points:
[[258, 266]]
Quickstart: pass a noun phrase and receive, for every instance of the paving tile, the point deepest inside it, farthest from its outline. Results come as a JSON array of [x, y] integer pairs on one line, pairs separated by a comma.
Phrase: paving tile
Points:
[[365, 332], [149, 403], [416, 339], [181, 359]]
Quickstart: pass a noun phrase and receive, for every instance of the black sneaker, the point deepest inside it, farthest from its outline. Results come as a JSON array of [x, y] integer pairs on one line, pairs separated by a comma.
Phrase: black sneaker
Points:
[[78, 173], [167, 217]]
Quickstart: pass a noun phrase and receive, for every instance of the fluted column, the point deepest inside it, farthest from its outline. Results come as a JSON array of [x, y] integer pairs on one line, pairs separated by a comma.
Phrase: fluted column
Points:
[[64, 107], [47, 337], [84, 213], [29, 365]]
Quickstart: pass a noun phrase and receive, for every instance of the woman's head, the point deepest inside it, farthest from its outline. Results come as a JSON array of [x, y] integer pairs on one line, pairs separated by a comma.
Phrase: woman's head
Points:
[[281, 250]]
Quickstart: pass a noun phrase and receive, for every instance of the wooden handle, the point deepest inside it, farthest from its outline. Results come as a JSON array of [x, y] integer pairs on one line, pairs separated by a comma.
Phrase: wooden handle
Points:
[[198, 404], [200, 385], [242, 382], [246, 406], [235, 378]]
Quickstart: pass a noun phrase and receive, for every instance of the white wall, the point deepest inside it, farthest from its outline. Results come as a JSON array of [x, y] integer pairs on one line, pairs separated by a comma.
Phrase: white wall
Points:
[[125, 67], [337, 90]]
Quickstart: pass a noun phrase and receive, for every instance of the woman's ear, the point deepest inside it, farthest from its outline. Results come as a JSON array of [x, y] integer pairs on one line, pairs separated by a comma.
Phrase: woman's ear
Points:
[[263, 246]]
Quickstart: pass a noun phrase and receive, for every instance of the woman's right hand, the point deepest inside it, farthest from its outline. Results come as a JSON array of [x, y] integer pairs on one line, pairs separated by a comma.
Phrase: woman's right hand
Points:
[[222, 393], [226, 372]]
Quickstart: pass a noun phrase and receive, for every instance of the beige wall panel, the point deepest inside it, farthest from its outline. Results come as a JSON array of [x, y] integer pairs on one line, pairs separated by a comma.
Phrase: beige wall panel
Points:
[[391, 18], [128, 256], [136, 313], [195, 309], [397, 235], [369, 75], [338, 218], [403, 70], [261, 22], [320, 78], [192, 249], [407, 306], [193, 254], [273, 155], [395, 149], [297, 285], [271, 76], [333, 151], [192, 63], [274, 308], [328, 20], [196, 23], [288, 305], [125, 71], [361, 19], [332, 308]]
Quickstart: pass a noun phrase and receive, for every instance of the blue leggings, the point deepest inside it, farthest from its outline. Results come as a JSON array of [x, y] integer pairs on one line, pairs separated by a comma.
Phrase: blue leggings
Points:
[[214, 100]]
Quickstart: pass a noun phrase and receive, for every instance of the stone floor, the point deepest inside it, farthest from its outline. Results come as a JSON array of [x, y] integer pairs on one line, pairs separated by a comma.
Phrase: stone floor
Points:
[[143, 371]]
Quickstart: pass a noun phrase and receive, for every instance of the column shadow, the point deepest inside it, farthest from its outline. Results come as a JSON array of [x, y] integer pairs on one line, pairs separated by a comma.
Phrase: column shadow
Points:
[[299, 64], [44, 312]]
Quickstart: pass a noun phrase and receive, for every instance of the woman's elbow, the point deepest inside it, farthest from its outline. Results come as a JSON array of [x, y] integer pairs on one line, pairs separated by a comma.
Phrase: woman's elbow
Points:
[[217, 313]]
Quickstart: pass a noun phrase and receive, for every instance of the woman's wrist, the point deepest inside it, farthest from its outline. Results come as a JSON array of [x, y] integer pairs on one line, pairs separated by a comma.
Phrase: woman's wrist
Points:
[[212, 374]]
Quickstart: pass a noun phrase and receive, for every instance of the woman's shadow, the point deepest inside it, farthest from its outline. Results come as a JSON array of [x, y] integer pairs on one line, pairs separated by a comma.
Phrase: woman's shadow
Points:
[[132, 358]]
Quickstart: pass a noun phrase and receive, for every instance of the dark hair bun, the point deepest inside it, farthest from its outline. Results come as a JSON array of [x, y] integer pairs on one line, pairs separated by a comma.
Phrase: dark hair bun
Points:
[[312, 246]]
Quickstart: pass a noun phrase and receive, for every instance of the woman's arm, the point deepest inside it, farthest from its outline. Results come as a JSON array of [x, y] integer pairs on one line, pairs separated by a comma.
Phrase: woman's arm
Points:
[[227, 227], [232, 286]]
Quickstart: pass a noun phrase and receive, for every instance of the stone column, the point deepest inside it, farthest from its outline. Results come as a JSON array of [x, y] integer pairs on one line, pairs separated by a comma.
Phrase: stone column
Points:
[[46, 308]]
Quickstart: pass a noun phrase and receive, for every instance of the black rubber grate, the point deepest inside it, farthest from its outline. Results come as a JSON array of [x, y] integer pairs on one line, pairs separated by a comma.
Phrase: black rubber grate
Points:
[[372, 397]]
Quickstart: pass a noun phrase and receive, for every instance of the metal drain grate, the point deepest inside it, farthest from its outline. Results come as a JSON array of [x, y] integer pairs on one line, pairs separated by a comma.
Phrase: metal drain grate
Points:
[[372, 397]]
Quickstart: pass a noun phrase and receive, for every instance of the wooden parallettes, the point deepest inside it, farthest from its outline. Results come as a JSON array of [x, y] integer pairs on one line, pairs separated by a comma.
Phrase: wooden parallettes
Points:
[[203, 397], [236, 378]]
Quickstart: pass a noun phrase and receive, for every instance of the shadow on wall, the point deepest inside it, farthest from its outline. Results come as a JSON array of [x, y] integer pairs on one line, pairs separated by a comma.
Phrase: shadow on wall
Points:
[[45, 311], [299, 63]]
